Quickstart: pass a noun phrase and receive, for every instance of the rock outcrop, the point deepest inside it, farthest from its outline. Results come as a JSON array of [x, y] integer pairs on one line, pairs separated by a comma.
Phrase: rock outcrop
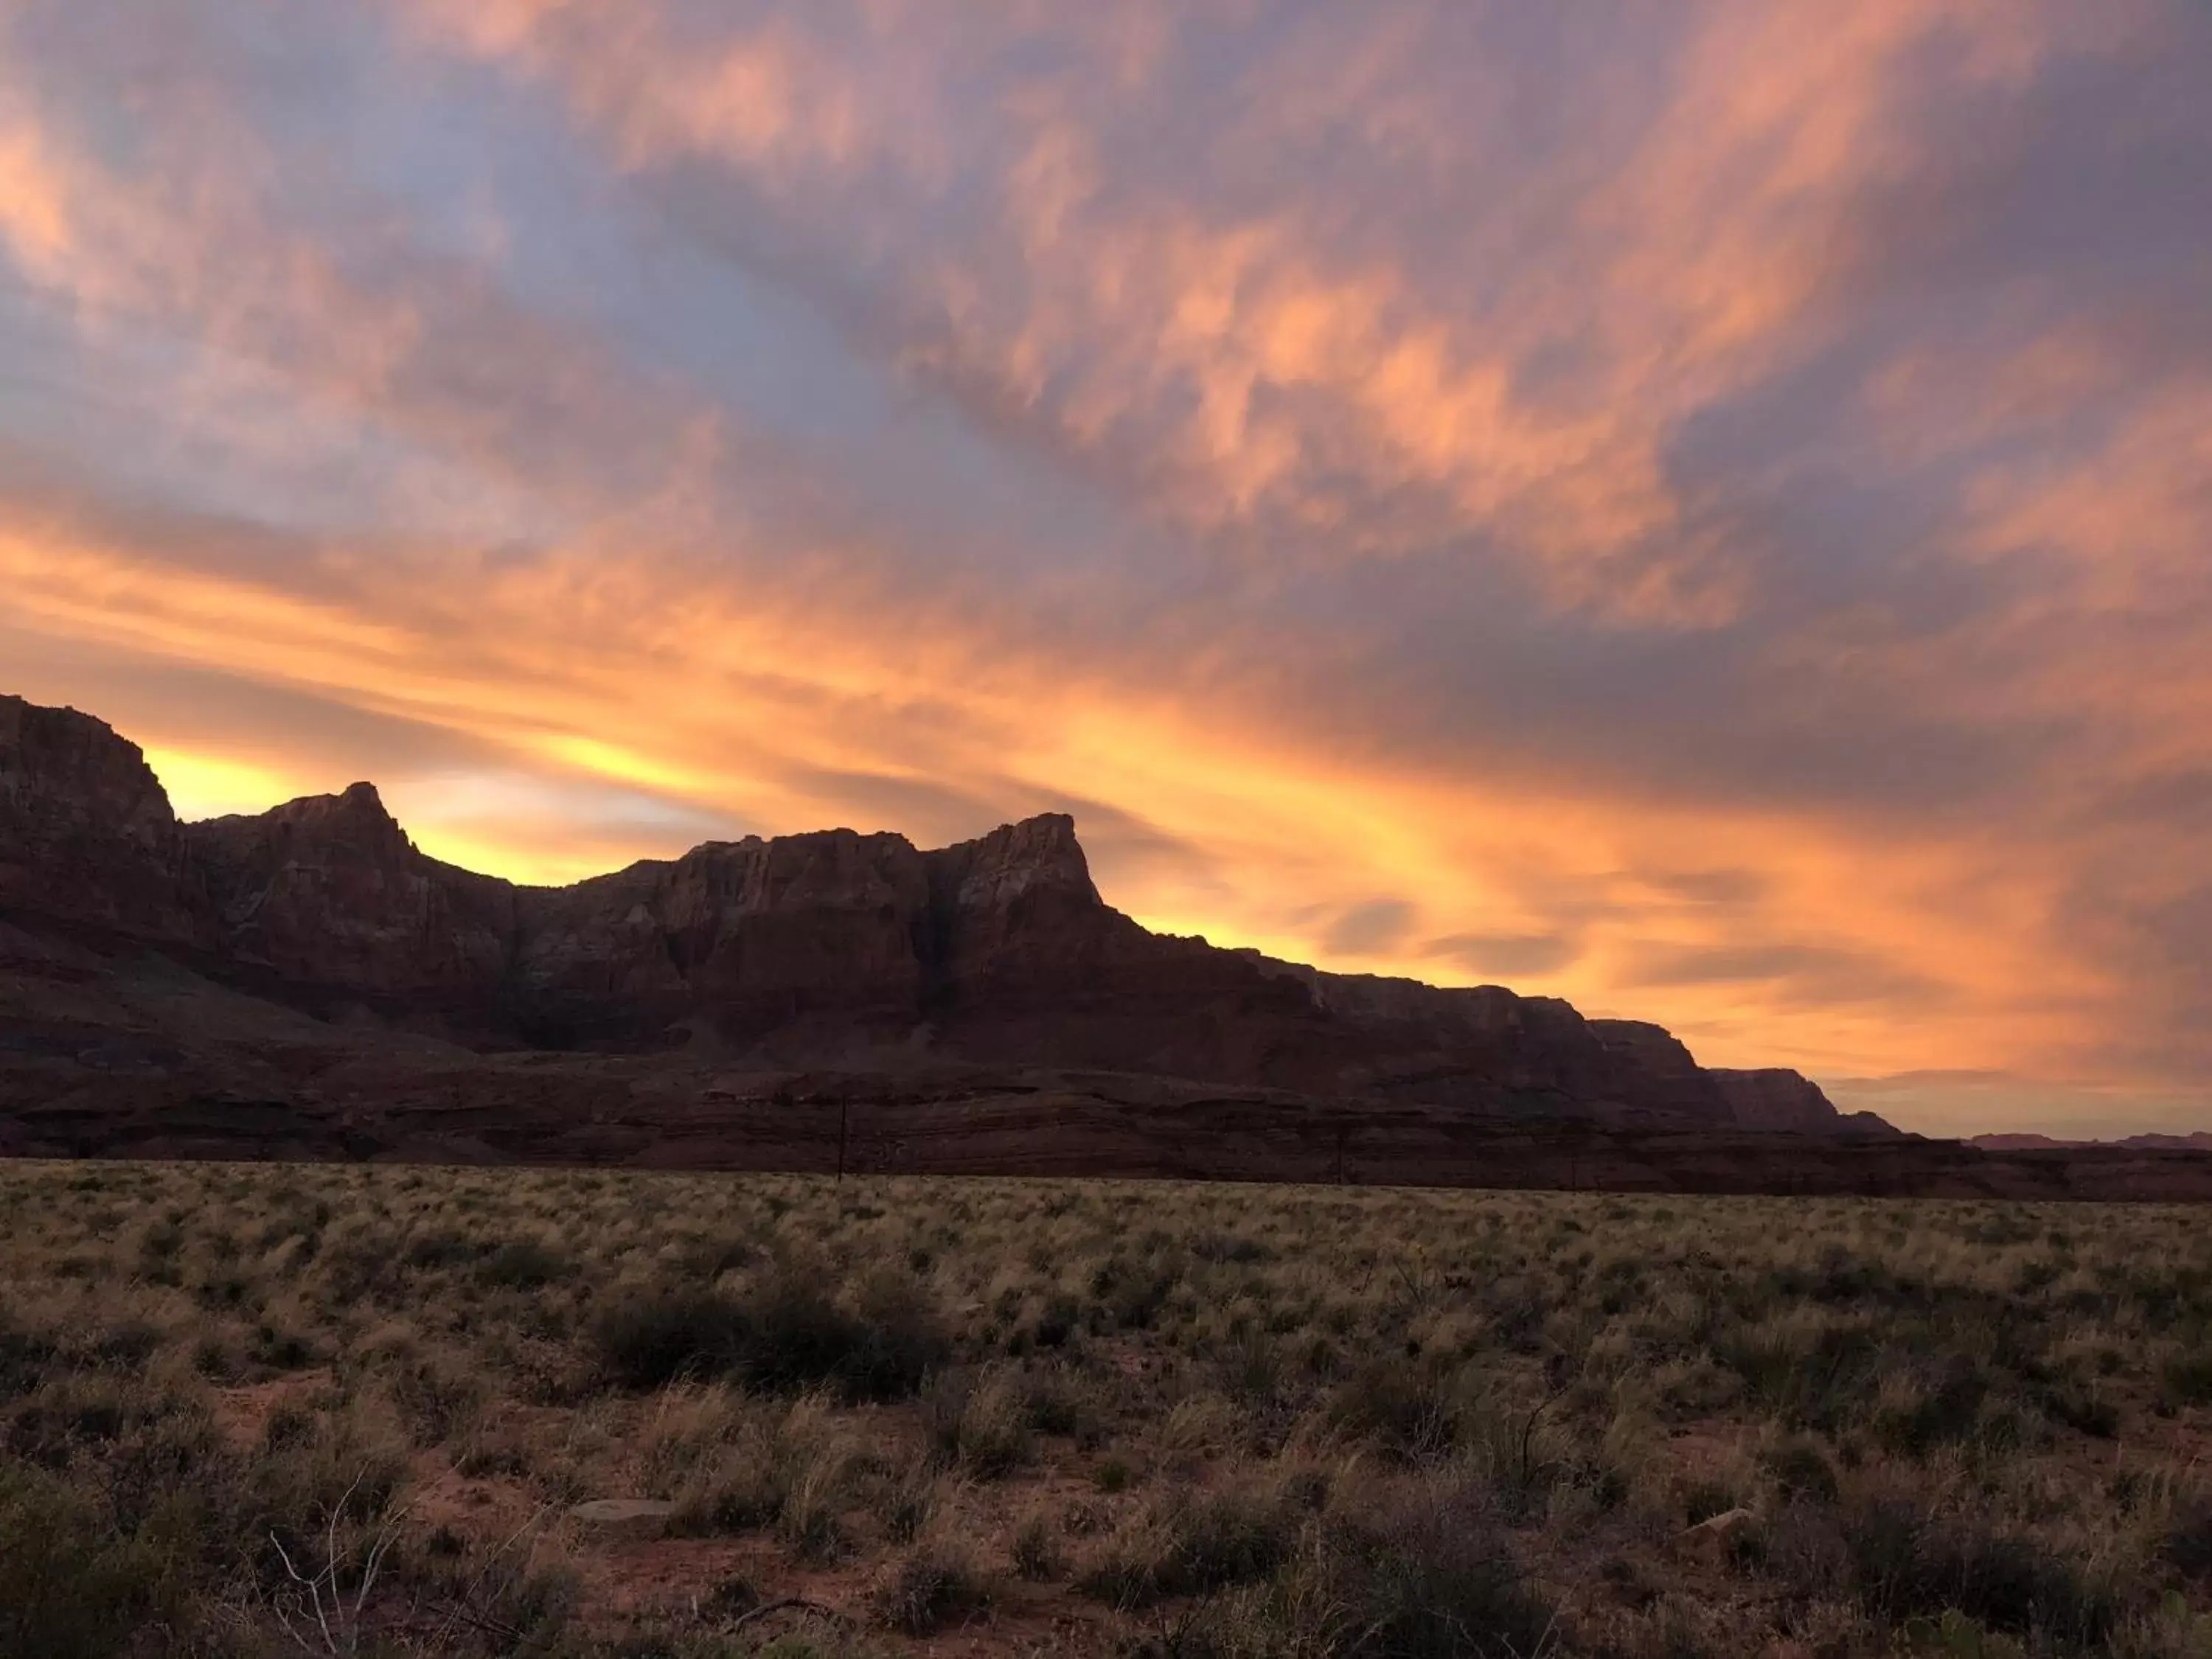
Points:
[[328, 898], [818, 936], [1790, 1102], [86, 832], [833, 949]]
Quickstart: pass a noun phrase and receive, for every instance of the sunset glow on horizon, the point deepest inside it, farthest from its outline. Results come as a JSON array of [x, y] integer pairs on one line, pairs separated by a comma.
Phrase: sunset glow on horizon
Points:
[[1704, 510]]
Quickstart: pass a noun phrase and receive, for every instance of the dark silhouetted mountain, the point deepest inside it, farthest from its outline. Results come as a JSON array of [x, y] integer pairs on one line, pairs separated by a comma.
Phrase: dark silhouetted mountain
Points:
[[833, 953]]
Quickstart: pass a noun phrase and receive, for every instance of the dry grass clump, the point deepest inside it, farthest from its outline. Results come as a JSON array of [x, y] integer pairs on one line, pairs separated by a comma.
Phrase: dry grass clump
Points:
[[783, 1333], [1190, 1544], [903, 1416], [930, 1585]]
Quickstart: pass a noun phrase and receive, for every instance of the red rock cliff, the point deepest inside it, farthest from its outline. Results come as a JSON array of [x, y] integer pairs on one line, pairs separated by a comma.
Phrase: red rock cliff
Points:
[[822, 948]]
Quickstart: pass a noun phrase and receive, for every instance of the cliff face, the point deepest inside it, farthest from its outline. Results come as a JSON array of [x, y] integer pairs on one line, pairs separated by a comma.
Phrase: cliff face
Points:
[[832, 948], [733, 941], [1788, 1101], [329, 896], [86, 832]]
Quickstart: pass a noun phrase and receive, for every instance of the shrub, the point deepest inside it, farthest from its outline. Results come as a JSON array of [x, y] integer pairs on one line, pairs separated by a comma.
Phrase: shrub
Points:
[[1906, 1564], [431, 1251], [24, 1360], [1809, 1376], [1428, 1575], [1194, 1545], [1130, 1295], [931, 1586], [68, 1589], [524, 1265], [1801, 1471], [1703, 1499], [1230, 1247], [435, 1404], [784, 1335], [2189, 1538], [2188, 1376], [1057, 1321], [1406, 1405], [1942, 1415], [881, 1351], [909, 1503], [1051, 1404], [651, 1340], [979, 1424], [1035, 1553], [2084, 1410]]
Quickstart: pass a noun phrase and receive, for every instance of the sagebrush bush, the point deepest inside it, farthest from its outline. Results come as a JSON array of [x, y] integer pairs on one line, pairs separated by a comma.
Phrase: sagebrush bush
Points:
[[783, 1334], [1907, 1563], [1409, 1405], [655, 1338], [1424, 1573], [1193, 1543], [1431, 1574], [524, 1264], [929, 1587], [70, 1587], [979, 1423]]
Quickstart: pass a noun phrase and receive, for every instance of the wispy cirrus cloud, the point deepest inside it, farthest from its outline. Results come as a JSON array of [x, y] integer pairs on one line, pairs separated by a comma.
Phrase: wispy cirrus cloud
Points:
[[1696, 508]]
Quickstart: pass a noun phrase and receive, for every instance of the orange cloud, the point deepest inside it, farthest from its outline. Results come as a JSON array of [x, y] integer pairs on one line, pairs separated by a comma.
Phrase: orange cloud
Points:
[[34, 213], [609, 674]]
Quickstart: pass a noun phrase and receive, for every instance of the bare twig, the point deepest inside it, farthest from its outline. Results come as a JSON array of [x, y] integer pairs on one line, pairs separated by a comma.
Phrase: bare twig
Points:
[[464, 1609], [337, 1613]]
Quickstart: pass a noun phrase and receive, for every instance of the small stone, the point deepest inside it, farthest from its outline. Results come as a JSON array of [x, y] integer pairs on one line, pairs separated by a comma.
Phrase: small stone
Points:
[[625, 1517]]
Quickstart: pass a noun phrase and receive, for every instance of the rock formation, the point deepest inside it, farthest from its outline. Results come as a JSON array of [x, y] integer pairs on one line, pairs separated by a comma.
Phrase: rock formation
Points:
[[1788, 1101], [86, 832], [833, 949], [328, 899]]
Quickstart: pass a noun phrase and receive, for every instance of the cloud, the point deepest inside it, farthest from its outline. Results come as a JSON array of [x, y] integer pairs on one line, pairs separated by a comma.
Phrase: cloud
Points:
[[1697, 509], [1508, 954], [1369, 928], [1805, 974]]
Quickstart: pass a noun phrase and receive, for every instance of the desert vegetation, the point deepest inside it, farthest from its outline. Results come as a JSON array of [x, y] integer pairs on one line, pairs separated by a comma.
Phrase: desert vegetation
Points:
[[251, 1410]]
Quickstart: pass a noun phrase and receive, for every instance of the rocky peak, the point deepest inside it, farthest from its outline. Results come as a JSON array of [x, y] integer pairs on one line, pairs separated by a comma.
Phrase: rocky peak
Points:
[[329, 892], [1013, 916], [85, 831], [1654, 1063], [1037, 855], [1775, 1097], [352, 826], [62, 770]]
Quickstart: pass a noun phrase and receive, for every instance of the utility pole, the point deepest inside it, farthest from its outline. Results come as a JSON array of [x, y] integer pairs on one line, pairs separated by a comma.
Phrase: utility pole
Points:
[[844, 1118]]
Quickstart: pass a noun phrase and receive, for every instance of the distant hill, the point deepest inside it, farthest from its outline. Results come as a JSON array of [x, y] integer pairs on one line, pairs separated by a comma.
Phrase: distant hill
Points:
[[2200, 1141]]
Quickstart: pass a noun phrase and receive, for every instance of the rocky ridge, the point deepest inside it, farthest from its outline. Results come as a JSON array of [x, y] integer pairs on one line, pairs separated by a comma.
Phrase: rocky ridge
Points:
[[838, 952]]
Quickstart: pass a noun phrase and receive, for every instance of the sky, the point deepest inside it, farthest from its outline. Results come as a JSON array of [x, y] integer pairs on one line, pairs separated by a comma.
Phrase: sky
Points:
[[1702, 508]]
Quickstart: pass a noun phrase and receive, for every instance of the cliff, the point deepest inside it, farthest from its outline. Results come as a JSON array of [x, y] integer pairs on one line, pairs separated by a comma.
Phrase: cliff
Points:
[[832, 948], [1791, 1103]]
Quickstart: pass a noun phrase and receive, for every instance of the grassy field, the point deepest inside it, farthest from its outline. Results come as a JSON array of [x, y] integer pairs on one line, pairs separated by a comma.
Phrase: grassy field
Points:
[[257, 1409]]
